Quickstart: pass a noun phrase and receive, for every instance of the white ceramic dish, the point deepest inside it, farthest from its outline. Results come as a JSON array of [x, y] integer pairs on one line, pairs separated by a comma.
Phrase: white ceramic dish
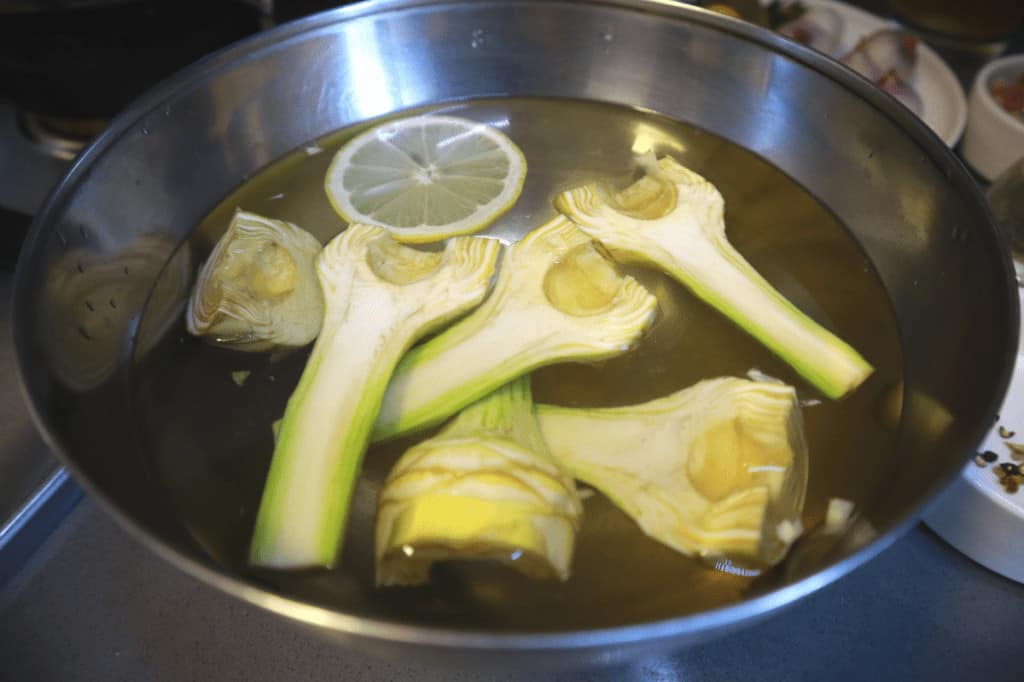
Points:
[[994, 137], [978, 515], [945, 107]]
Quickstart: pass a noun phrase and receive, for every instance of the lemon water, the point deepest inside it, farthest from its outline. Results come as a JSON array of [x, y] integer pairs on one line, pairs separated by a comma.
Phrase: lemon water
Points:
[[210, 439]]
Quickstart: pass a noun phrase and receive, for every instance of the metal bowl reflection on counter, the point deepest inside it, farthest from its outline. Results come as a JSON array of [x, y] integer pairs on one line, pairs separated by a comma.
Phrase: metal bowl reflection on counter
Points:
[[176, 152]]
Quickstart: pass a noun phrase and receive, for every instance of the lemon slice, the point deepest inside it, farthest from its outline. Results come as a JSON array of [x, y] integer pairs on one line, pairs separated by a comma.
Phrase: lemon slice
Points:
[[426, 178]]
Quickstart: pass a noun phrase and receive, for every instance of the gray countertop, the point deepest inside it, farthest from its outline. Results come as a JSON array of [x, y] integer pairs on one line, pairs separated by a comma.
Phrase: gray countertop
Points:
[[93, 604]]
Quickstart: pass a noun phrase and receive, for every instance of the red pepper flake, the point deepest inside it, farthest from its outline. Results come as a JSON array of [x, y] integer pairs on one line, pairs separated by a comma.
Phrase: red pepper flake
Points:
[[802, 35], [908, 46], [1009, 95]]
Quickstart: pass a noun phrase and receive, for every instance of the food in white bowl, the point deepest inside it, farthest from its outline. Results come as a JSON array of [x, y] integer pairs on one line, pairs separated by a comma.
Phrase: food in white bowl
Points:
[[995, 128]]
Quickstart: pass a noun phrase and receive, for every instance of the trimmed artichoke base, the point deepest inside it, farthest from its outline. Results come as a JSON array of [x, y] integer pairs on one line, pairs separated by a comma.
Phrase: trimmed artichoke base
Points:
[[710, 471], [674, 219], [466, 498], [323, 435], [258, 290], [484, 488], [556, 298]]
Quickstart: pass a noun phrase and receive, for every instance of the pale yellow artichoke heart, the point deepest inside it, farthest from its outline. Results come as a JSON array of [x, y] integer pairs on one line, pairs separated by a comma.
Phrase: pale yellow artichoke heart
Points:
[[258, 290], [710, 471], [485, 488]]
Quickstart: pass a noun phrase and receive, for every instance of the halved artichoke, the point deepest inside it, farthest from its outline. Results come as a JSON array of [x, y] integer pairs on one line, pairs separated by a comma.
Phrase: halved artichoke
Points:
[[717, 470], [258, 290], [674, 219]]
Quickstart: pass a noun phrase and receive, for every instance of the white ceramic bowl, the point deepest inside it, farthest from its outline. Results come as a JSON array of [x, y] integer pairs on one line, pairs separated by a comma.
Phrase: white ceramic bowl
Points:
[[994, 137]]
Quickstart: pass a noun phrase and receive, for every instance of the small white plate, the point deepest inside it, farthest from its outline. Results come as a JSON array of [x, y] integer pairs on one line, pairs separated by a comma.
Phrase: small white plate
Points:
[[945, 107]]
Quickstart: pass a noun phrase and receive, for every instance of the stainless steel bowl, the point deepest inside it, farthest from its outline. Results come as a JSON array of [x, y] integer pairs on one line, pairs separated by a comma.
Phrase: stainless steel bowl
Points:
[[165, 162]]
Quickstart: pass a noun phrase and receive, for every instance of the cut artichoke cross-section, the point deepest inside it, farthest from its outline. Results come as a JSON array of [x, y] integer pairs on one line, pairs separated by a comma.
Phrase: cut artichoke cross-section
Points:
[[484, 488], [258, 290], [711, 471], [556, 298], [674, 219], [380, 297]]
